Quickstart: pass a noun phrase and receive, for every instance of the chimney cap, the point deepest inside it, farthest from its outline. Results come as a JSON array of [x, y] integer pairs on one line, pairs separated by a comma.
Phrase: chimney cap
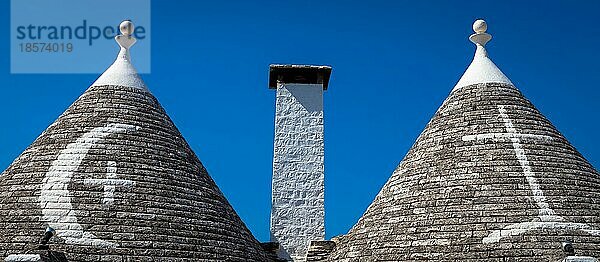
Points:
[[299, 74]]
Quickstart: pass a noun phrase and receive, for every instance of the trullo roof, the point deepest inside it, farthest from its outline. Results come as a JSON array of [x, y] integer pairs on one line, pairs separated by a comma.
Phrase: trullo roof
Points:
[[489, 179], [116, 180]]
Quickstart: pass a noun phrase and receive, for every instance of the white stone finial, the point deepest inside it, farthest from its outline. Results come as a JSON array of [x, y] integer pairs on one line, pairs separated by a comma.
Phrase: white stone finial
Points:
[[125, 39], [482, 69], [122, 72], [480, 37]]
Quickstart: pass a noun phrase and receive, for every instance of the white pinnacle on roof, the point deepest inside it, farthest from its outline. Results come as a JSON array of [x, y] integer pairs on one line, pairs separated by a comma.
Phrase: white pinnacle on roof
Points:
[[122, 72], [482, 69]]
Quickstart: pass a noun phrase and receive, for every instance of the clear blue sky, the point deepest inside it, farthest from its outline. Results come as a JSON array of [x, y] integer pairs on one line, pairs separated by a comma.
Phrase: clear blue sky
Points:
[[394, 62]]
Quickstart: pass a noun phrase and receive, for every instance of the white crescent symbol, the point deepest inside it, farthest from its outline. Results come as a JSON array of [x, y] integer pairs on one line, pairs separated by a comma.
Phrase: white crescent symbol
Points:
[[55, 199]]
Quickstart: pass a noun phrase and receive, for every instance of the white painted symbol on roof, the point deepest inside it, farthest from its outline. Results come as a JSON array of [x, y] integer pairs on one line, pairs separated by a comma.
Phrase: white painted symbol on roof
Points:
[[55, 198], [506, 135], [547, 218], [110, 183]]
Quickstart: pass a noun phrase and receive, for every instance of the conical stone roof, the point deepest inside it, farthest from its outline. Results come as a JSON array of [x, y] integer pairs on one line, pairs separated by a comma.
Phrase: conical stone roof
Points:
[[489, 179], [116, 180]]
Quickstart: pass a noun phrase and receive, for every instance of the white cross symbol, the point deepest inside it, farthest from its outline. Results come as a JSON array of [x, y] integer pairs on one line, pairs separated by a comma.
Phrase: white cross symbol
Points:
[[110, 183], [547, 218]]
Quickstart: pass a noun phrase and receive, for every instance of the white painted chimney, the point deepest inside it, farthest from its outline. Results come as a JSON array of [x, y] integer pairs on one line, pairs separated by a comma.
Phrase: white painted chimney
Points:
[[298, 210]]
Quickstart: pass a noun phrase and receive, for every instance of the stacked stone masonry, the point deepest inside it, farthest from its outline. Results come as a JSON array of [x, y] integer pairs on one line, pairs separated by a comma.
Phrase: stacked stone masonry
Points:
[[319, 250], [118, 182], [489, 179]]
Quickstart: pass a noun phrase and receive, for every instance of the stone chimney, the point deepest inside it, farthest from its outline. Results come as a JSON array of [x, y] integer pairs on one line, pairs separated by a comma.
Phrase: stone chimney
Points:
[[298, 211]]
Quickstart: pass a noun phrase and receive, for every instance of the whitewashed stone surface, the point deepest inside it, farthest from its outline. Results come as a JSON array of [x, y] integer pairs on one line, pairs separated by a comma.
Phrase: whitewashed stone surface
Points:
[[23, 258], [298, 212]]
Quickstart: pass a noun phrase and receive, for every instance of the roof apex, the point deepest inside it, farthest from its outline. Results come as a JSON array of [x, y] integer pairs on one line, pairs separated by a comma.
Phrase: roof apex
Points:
[[122, 72], [481, 69]]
